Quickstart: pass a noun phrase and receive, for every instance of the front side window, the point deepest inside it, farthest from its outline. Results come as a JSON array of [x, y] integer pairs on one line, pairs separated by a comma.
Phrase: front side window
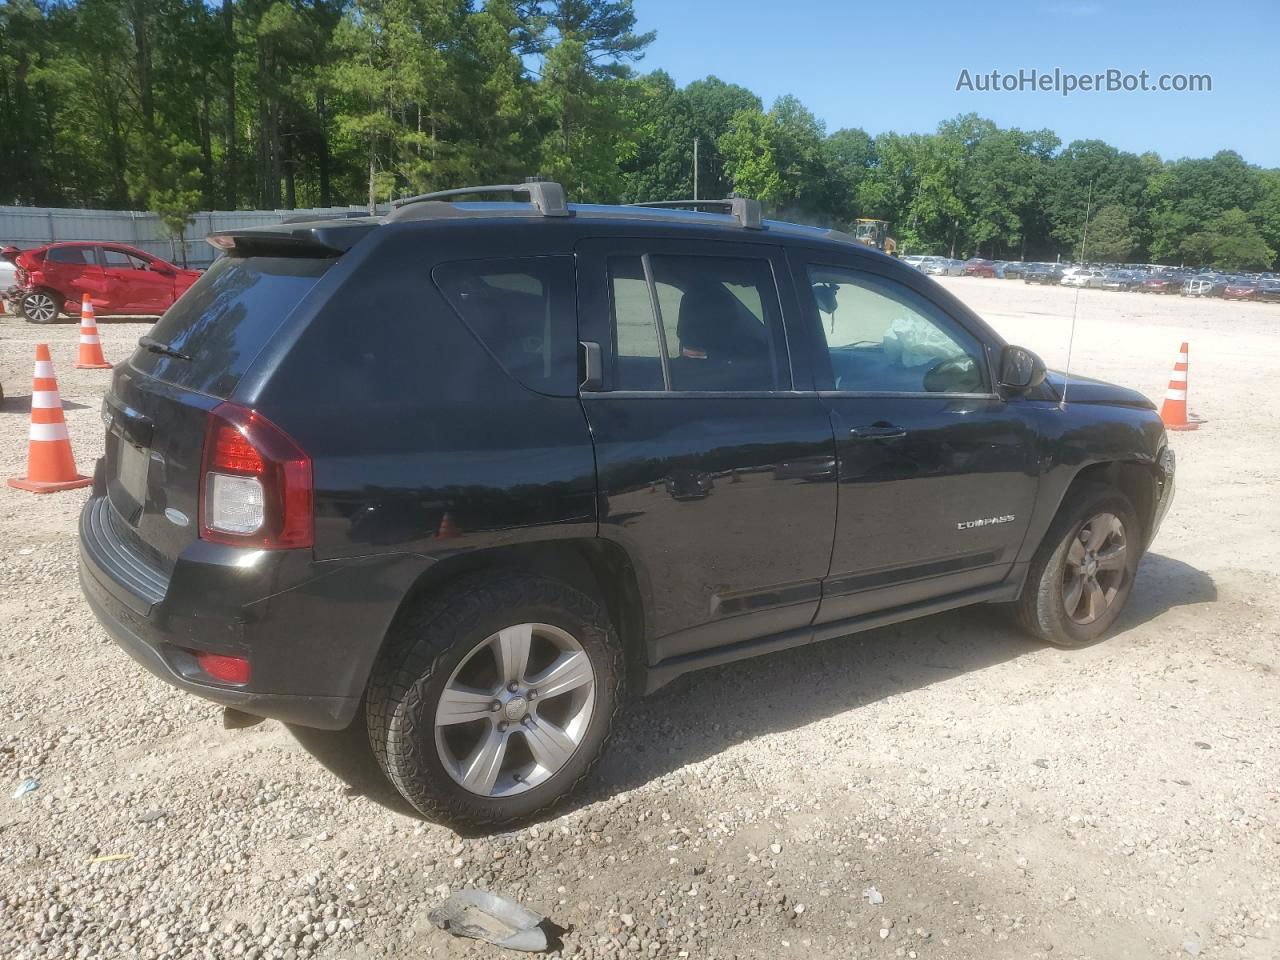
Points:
[[522, 310], [882, 337], [121, 260], [693, 323]]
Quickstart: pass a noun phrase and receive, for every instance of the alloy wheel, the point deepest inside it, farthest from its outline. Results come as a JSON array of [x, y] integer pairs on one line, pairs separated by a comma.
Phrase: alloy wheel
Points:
[[39, 307], [515, 709], [1096, 568]]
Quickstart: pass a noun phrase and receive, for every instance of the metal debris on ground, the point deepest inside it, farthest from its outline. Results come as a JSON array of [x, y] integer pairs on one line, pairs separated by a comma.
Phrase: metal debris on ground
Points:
[[874, 896], [486, 916], [25, 787]]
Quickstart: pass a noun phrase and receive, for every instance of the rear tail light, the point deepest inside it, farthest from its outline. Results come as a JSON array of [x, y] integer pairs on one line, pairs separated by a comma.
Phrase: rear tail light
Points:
[[255, 484]]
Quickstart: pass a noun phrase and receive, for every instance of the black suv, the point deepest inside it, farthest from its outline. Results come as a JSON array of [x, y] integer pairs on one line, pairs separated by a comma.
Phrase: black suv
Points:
[[1042, 273], [476, 469]]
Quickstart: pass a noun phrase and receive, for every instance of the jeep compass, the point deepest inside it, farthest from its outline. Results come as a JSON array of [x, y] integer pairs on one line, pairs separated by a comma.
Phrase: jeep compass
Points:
[[470, 472]]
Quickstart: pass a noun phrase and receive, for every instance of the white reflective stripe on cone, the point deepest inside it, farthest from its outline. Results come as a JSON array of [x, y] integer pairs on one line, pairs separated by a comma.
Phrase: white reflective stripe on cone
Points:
[[44, 368], [45, 399], [90, 338], [48, 431], [1175, 394], [1182, 358], [1179, 376]]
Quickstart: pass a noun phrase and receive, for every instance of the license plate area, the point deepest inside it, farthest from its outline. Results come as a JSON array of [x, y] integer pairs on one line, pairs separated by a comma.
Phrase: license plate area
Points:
[[128, 459]]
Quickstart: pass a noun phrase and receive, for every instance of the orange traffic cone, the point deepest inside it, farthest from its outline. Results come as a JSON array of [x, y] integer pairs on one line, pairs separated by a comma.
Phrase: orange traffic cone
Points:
[[448, 529], [91, 357], [1174, 411], [50, 465]]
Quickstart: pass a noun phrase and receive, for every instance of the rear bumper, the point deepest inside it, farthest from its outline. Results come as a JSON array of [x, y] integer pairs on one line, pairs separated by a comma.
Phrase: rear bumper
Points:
[[178, 667], [310, 630]]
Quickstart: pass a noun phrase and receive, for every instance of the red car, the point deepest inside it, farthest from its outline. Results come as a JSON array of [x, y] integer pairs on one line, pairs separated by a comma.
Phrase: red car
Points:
[[1240, 290], [119, 279], [977, 267], [1160, 283]]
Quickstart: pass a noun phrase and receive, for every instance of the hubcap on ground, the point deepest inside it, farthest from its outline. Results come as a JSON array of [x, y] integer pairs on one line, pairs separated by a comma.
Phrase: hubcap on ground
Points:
[[515, 709], [1096, 568]]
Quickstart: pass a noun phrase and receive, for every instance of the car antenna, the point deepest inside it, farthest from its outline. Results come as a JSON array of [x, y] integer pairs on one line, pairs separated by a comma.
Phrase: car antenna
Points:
[[1071, 338]]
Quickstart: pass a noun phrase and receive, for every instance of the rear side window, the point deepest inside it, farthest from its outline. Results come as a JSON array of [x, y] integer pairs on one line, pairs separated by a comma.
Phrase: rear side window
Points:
[[695, 323], [79, 255], [522, 310], [225, 319]]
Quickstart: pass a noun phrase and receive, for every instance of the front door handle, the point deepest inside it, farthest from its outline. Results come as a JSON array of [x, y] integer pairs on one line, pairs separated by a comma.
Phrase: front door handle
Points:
[[878, 431]]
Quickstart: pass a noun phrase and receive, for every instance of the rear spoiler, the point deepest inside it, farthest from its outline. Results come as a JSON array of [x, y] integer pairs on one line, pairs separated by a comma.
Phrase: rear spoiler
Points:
[[315, 238]]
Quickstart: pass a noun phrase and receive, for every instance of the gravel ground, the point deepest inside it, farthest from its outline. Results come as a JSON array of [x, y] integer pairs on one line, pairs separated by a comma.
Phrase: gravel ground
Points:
[[940, 789]]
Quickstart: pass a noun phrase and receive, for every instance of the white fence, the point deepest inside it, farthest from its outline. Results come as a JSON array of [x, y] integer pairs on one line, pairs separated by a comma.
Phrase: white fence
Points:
[[34, 226]]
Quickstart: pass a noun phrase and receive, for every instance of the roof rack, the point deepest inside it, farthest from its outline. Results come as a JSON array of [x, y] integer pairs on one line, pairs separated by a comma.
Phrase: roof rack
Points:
[[746, 211], [546, 195]]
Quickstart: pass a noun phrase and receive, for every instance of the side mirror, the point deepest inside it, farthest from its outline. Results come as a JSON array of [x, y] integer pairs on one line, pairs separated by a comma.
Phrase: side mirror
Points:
[[1020, 369]]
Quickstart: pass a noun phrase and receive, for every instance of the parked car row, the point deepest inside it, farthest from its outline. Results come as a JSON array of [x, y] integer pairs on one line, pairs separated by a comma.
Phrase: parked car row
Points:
[[52, 280], [1138, 279]]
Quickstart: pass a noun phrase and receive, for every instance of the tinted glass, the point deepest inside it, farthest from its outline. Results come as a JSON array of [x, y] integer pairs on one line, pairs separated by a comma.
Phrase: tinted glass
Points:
[[522, 310], [226, 318], [883, 337], [637, 353], [720, 324], [80, 255], [122, 260]]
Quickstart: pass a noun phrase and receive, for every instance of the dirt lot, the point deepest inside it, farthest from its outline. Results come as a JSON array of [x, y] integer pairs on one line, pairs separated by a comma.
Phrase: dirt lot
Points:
[[1005, 799]]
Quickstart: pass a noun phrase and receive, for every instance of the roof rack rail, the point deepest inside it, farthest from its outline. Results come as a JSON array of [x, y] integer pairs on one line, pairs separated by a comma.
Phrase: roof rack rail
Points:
[[745, 210], [546, 195]]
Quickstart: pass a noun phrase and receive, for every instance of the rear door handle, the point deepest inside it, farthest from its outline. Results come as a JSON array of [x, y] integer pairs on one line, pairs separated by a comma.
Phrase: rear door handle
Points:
[[592, 366], [878, 431]]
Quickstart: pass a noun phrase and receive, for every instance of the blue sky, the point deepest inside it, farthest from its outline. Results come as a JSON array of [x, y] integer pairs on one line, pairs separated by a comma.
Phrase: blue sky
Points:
[[894, 65]]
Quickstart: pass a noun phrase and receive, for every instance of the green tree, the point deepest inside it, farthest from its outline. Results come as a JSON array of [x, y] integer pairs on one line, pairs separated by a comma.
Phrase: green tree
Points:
[[1230, 241], [1110, 237], [584, 47]]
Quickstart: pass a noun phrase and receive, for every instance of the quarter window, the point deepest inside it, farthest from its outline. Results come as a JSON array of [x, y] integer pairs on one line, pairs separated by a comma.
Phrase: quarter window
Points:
[[882, 337], [522, 310], [695, 324]]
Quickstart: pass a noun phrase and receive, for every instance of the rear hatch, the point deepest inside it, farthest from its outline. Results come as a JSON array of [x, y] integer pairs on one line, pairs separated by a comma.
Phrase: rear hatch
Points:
[[157, 411]]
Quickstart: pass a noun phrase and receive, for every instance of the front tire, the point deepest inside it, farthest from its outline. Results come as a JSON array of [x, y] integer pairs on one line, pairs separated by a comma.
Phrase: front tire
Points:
[[494, 702], [1083, 572]]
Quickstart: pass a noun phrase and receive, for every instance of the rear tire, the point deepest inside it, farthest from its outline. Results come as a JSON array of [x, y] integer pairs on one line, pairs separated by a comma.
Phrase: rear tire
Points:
[[1083, 572], [455, 714], [40, 306]]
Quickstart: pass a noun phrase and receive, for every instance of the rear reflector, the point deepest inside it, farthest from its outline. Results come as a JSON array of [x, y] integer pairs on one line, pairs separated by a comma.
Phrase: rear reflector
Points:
[[223, 668]]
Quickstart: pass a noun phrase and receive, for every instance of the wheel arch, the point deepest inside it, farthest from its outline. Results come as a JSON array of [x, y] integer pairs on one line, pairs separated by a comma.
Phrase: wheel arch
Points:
[[60, 301], [597, 567], [1137, 480]]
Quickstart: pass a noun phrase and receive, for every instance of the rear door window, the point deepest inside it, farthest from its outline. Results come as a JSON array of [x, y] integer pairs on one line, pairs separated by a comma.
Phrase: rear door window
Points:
[[522, 310], [82, 256], [696, 323], [225, 319]]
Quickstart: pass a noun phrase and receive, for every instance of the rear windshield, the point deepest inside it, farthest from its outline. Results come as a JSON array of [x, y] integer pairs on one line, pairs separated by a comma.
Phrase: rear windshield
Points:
[[226, 318]]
